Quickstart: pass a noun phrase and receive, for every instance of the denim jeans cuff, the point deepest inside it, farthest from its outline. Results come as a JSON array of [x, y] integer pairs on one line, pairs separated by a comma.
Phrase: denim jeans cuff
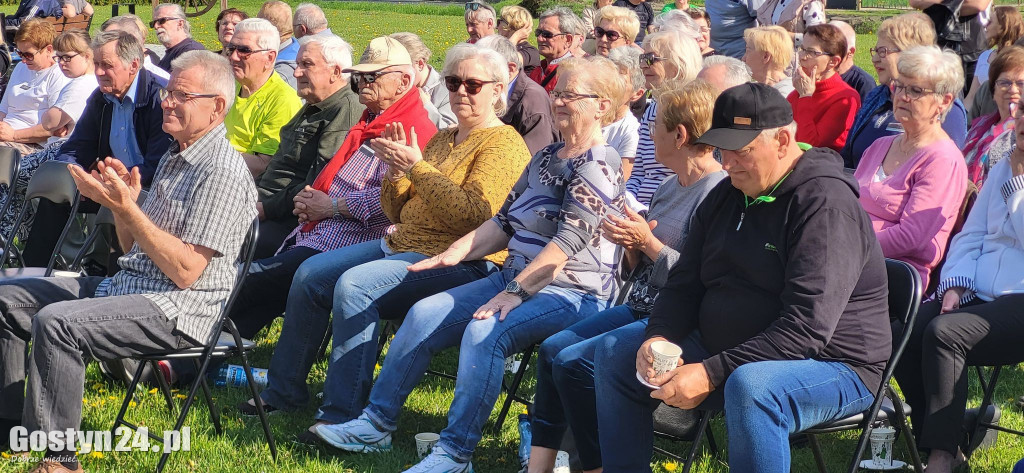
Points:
[[378, 420], [456, 453]]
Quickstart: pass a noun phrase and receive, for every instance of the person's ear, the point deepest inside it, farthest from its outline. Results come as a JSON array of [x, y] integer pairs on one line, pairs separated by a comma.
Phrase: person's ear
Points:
[[833, 61], [853, 50], [273, 57], [513, 70], [604, 107], [637, 95], [220, 107], [766, 58], [785, 139], [682, 136]]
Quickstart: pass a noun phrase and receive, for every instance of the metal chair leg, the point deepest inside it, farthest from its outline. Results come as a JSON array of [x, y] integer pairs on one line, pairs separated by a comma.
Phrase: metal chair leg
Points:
[[257, 399], [816, 449], [702, 428], [514, 388]]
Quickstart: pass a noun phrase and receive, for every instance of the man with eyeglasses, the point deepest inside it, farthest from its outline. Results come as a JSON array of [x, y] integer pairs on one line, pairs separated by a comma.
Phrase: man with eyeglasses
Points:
[[558, 33], [122, 119], [265, 102], [480, 20], [174, 32], [177, 272]]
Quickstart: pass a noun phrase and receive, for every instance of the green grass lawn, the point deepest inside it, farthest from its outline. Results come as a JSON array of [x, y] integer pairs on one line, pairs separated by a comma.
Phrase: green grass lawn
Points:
[[242, 448]]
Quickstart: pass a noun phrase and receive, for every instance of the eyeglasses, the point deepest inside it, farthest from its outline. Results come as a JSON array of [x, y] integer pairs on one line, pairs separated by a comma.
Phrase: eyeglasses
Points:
[[162, 20], [179, 96], [1005, 84], [223, 23], [368, 77], [243, 51], [648, 59], [473, 86], [472, 6], [883, 51], [611, 35], [912, 91], [28, 56], [810, 52], [566, 96], [65, 58], [547, 34]]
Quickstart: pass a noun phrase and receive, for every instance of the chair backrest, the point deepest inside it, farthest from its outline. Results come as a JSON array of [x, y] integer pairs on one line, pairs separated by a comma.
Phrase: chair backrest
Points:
[[77, 22], [904, 300], [10, 162], [970, 196], [244, 261], [53, 182]]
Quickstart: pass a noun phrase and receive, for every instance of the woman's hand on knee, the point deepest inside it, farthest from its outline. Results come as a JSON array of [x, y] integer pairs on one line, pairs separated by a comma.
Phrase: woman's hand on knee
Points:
[[951, 299]]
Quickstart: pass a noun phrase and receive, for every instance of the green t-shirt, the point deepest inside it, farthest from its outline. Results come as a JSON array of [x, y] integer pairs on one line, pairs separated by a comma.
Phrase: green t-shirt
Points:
[[671, 5], [254, 122]]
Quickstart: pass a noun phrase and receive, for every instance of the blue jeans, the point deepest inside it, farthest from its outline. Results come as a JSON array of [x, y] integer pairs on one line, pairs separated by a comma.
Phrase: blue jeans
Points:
[[565, 385], [445, 320], [317, 289], [764, 403], [1019, 467]]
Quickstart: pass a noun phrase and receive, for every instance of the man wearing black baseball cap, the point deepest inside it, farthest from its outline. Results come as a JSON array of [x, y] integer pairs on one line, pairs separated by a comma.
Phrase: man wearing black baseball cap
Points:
[[779, 300]]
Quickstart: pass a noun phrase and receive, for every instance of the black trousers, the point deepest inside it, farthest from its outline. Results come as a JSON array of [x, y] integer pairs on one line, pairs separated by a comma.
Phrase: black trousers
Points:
[[272, 234], [49, 221], [933, 372]]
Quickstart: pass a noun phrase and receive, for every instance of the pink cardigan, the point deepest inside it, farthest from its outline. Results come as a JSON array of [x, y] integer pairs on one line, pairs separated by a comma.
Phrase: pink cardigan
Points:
[[914, 209]]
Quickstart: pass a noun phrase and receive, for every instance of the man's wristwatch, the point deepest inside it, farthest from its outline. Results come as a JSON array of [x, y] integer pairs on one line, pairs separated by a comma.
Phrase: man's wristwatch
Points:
[[514, 288], [337, 212]]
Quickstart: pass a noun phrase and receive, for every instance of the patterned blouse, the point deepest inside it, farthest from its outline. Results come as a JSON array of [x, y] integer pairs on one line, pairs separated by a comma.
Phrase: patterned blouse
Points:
[[563, 201], [453, 190]]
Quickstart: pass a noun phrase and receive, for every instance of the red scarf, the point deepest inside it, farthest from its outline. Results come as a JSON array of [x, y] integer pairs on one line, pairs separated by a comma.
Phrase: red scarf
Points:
[[408, 110]]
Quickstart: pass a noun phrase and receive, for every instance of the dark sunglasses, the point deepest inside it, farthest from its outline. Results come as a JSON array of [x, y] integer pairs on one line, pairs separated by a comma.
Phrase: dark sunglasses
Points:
[[26, 55], [648, 59], [365, 78], [472, 6], [547, 34], [473, 86], [611, 35], [243, 51], [161, 20]]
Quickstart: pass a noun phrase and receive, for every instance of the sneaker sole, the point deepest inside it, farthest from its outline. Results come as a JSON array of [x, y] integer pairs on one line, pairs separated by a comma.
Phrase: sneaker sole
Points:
[[352, 447]]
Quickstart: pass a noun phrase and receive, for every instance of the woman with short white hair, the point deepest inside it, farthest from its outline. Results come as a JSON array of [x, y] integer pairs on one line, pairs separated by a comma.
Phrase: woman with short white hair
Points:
[[668, 55], [558, 271], [769, 52], [912, 184]]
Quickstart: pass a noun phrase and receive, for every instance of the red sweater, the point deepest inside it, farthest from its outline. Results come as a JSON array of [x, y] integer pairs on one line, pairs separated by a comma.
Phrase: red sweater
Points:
[[540, 74], [824, 119]]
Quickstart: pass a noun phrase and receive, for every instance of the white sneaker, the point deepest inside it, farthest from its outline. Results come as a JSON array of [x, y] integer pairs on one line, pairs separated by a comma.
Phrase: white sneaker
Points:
[[357, 435], [440, 462]]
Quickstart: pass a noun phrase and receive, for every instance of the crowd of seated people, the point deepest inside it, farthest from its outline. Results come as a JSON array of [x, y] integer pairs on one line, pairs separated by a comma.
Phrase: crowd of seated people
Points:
[[711, 178]]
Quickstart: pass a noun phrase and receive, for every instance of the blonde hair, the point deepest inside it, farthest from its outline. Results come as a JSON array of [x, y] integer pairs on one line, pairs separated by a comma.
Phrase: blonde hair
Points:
[[73, 41], [688, 104], [517, 17], [599, 76], [679, 50], [774, 40], [908, 30], [623, 18]]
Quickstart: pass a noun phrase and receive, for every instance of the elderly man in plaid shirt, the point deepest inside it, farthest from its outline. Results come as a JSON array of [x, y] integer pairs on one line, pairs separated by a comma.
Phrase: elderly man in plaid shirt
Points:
[[179, 265]]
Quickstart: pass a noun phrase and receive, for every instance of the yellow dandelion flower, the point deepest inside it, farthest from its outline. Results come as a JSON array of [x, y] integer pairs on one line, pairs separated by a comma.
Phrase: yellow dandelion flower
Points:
[[671, 466], [131, 404], [180, 396], [152, 391], [96, 454], [5, 455]]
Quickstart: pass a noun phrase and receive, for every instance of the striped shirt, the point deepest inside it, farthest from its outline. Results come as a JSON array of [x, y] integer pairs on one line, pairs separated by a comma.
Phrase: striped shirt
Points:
[[647, 174], [358, 185], [204, 196]]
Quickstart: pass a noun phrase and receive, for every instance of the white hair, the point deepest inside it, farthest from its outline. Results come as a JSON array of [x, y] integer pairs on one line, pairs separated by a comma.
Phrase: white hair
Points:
[[128, 47], [677, 20], [736, 71], [504, 47], [217, 75], [336, 51], [568, 22], [482, 13], [628, 58], [178, 13], [267, 36], [940, 67], [310, 16], [492, 62]]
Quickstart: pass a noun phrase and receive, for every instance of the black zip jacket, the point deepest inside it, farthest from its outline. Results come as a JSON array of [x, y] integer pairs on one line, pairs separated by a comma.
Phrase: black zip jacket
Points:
[[798, 278]]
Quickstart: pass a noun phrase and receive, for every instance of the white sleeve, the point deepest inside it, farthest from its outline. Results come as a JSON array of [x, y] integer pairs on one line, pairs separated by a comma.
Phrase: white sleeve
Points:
[[72, 98]]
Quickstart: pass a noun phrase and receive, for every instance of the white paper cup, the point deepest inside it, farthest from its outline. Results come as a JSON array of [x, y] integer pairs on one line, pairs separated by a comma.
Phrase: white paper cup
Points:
[[425, 442], [666, 356], [881, 446]]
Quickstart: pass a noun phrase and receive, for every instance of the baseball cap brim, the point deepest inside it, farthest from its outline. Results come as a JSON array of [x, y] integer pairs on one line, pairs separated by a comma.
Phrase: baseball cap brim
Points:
[[729, 139], [368, 67]]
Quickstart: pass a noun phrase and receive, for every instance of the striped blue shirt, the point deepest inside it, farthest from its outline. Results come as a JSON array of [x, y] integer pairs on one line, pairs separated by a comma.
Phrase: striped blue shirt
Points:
[[647, 174]]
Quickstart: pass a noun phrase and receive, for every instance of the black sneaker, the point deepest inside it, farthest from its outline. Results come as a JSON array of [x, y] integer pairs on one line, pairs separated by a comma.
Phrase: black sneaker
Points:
[[247, 409]]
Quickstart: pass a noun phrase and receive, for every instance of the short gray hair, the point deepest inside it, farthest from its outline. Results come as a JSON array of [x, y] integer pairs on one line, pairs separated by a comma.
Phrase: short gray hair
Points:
[[627, 59], [736, 71], [124, 23], [310, 16], [568, 22], [492, 62], [941, 67], [504, 47], [217, 75], [336, 51], [770, 133], [267, 36], [128, 47], [677, 20], [482, 13], [178, 13], [413, 44]]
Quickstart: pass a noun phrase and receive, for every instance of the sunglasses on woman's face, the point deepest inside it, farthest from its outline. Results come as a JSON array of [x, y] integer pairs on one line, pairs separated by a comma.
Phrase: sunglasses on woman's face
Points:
[[648, 59], [26, 55], [611, 35], [473, 86]]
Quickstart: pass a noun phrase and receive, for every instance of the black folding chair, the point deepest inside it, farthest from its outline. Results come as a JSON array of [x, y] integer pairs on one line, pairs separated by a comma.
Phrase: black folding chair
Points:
[[104, 219], [10, 164], [53, 182], [904, 300], [978, 431], [220, 344]]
